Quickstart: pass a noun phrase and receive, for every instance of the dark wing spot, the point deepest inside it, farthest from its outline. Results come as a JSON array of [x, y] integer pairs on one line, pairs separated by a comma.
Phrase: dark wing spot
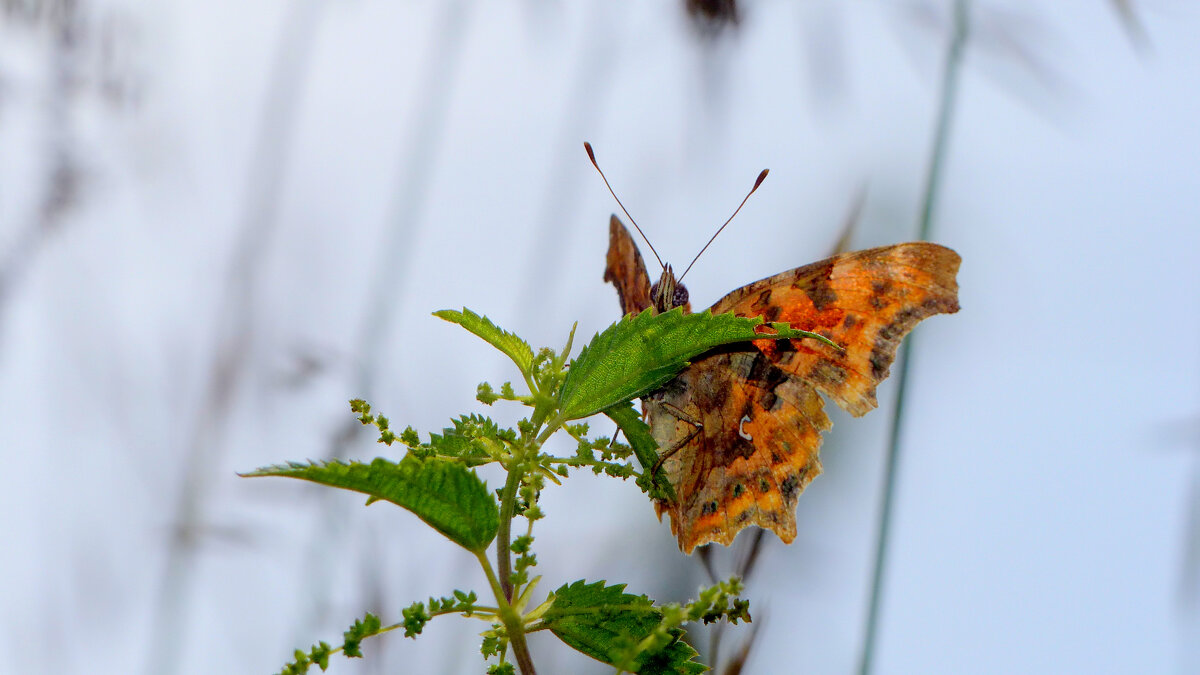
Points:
[[849, 321], [759, 373], [884, 349], [763, 299], [790, 487], [879, 289], [763, 485], [821, 294], [738, 490], [708, 509], [881, 360], [828, 373]]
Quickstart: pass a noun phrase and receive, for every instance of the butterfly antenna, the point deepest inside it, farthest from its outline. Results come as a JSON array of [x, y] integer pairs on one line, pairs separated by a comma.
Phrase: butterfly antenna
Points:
[[762, 176], [592, 156]]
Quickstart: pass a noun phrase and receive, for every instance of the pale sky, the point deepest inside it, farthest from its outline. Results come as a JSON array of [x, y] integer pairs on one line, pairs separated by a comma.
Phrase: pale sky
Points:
[[377, 161]]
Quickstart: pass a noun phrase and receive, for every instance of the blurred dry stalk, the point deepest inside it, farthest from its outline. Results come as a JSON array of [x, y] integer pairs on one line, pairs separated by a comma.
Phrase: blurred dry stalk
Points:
[[591, 78], [418, 152], [743, 568], [1189, 576], [234, 324], [712, 16], [1132, 22], [88, 53], [948, 98], [998, 32]]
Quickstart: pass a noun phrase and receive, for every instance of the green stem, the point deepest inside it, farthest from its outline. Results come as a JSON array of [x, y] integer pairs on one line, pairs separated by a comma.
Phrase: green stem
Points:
[[501, 601], [508, 507], [503, 585], [513, 625], [949, 97], [553, 426], [516, 638]]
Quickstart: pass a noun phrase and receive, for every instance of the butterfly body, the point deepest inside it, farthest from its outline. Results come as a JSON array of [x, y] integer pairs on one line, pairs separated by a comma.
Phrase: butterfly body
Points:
[[740, 428]]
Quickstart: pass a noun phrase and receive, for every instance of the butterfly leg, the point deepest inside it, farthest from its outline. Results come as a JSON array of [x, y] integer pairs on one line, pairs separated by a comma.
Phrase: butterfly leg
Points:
[[680, 414], [675, 447]]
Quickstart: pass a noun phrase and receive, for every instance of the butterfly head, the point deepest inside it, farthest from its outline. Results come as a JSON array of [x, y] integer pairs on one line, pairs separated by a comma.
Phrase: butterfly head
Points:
[[667, 293]]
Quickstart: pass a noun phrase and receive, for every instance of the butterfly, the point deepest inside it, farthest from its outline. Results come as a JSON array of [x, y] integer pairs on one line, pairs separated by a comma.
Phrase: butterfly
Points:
[[740, 428]]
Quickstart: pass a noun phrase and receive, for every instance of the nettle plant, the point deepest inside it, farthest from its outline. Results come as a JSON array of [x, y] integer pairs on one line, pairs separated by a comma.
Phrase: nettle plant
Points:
[[437, 482]]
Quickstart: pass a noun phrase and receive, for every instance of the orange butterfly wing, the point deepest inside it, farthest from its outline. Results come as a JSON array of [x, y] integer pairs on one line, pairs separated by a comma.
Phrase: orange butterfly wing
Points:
[[749, 433], [743, 424], [865, 301], [760, 416]]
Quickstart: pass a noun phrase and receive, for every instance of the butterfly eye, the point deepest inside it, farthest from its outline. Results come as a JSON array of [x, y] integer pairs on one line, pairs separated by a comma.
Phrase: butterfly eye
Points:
[[681, 296]]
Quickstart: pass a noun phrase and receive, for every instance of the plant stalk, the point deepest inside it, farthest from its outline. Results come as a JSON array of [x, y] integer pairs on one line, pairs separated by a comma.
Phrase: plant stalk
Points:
[[516, 638], [948, 99], [513, 625], [512, 621], [508, 507]]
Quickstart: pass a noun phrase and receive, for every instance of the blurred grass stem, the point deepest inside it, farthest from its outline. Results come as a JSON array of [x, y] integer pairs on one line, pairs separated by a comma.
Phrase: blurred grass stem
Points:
[[234, 330], [422, 144], [591, 79], [948, 99]]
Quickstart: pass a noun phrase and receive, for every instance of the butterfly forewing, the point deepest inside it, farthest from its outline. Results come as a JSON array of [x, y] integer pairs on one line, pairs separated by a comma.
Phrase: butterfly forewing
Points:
[[864, 301], [625, 269]]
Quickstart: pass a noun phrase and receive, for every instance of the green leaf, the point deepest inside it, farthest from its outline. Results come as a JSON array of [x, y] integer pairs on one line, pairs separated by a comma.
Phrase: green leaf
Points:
[[637, 355], [514, 347], [467, 439], [449, 497], [677, 658], [607, 624], [644, 446]]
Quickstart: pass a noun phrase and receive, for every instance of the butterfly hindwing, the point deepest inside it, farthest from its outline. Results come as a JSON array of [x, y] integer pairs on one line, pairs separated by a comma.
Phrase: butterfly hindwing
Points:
[[754, 433]]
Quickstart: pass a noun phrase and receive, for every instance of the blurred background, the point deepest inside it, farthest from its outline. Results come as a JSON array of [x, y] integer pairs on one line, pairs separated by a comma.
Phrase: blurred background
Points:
[[221, 220]]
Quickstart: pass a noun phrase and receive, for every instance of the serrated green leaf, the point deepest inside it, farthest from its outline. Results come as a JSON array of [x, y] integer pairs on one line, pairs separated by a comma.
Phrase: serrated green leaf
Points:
[[679, 658], [605, 622], [463, 439], [514, 347], [446, 495], [637, 355], [450, 444], [644, 446]]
